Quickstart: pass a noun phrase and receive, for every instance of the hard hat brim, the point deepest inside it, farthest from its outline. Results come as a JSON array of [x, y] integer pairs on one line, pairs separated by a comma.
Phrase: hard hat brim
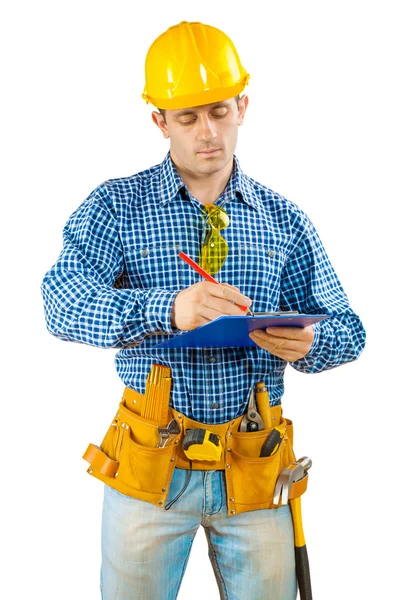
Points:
[[198, 99]]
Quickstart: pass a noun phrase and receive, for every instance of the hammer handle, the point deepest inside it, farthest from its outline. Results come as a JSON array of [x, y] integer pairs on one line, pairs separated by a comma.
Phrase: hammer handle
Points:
[[303, 572], [300, 548]]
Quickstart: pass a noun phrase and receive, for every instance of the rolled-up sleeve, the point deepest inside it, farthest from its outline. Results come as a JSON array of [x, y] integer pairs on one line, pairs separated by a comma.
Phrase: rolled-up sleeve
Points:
[[81, 301]]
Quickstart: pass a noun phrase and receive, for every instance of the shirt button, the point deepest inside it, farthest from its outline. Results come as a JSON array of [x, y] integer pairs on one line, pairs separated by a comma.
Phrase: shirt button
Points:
[[212, 359], [145, 252], [271, 253], [215, 405]]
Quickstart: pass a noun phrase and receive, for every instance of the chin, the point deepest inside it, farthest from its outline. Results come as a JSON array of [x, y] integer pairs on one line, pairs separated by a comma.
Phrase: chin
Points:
[[209, 168], [212, 164]]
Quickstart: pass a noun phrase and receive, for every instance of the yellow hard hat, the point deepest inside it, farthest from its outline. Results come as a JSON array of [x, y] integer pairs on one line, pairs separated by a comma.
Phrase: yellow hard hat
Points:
[[192, 64]]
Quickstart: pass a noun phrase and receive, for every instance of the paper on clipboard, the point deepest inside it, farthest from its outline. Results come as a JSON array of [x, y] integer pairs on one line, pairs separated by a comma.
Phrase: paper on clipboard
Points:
[[233, 332]]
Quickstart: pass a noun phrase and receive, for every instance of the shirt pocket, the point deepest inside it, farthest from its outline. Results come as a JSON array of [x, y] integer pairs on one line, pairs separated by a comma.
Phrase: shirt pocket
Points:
[[153, 266], [258, 269]]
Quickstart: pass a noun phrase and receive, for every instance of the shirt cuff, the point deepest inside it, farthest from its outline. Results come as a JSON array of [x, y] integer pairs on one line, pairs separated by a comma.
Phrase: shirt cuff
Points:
[[157, 312]]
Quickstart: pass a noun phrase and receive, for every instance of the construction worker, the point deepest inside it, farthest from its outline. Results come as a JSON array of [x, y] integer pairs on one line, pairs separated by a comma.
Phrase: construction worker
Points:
[[119, 283]]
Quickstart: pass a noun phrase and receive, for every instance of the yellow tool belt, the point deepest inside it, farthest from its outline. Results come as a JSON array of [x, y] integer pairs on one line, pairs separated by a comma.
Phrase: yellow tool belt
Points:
[[129, 460]]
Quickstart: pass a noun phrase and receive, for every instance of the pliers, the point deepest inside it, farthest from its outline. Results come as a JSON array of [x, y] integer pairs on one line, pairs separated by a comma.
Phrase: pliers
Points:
[[252, 420]]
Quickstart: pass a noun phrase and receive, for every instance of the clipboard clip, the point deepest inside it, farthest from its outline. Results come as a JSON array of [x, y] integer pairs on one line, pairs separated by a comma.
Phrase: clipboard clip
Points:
[[283, 313]]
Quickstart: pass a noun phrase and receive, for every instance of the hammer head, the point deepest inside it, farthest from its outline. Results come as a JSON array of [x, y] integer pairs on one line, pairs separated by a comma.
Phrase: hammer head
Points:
[[305, 462], [290, 474]]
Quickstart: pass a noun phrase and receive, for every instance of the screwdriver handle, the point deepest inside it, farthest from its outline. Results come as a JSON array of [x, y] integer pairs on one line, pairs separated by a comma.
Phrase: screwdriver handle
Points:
[[272, 443]]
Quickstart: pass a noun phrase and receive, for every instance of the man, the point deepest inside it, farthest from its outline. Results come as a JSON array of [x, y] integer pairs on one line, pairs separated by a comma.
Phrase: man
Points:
[[119, 283]]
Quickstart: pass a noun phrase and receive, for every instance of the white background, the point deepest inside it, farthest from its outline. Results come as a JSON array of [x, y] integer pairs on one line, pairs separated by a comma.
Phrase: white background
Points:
[[322, 128]]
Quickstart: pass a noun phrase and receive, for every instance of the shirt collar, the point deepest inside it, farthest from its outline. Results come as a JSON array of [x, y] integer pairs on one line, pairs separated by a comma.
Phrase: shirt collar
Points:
[[170, 180], [238, 185]]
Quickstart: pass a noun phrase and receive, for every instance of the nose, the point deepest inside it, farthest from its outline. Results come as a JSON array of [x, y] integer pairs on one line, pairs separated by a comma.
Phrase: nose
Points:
[[206, 129]]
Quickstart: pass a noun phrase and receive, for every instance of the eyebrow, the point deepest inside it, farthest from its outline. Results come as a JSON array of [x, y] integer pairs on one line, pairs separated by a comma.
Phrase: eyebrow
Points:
[[185, 112]]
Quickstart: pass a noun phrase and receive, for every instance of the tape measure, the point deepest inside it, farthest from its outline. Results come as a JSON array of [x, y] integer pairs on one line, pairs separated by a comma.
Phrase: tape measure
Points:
[[202, 444]]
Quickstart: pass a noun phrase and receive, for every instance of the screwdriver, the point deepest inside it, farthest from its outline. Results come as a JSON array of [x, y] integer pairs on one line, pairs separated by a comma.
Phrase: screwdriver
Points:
[[272, 443], [206, 275]]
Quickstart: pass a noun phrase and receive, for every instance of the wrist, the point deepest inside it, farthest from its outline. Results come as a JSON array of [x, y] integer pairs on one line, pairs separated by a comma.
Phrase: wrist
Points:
[[173, 315]]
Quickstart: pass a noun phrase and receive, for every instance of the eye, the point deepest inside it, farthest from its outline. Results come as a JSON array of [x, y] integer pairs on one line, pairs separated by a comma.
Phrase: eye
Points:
[[220, 115], [187, 122]]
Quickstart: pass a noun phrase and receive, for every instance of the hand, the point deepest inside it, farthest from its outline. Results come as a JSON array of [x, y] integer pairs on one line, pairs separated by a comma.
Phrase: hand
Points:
[[289, 343], [203, 302]]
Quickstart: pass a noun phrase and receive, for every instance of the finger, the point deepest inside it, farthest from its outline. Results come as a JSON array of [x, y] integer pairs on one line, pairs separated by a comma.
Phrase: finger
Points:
[[231, 286], [206, 315], [226, 307], [289, 333], [228, 293], [265, 345], [281, 345], [238, 290], [292, 333], [289, 355], [235, 295], [204, 292], [270, 343], [276, 344]]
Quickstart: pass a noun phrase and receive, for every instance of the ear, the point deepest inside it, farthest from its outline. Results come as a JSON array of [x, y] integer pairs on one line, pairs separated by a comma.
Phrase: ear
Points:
[[242, 107], [161, 124]]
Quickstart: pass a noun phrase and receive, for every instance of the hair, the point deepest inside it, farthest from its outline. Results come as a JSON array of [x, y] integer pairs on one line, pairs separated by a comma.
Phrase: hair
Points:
[[162, 110]]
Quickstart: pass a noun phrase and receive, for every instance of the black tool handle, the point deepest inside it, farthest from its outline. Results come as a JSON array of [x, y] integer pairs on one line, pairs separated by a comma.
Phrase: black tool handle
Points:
[[303, 572], [271, 442], [193, 436]]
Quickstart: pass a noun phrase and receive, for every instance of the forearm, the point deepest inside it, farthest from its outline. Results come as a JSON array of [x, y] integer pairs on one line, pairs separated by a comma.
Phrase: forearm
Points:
[[338, 340]]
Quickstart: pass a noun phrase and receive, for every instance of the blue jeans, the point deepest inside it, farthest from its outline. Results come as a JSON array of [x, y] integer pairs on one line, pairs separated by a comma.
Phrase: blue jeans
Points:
[[145, 549]]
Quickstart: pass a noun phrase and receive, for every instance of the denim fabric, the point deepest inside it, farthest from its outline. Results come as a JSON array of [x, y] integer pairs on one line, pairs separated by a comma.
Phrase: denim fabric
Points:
[[145, 549]]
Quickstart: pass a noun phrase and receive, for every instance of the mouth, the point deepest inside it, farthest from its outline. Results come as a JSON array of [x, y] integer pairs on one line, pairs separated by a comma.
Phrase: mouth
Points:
[[209, 153]]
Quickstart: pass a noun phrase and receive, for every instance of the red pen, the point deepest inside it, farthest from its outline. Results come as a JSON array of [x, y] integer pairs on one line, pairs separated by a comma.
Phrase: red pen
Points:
[[206, 275]]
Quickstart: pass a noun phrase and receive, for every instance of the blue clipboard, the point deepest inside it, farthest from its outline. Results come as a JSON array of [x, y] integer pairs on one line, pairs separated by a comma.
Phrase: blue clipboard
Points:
[[233, 332]]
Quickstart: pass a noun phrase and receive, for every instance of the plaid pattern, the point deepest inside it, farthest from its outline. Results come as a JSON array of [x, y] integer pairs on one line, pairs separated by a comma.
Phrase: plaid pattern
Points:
[[116, 279]]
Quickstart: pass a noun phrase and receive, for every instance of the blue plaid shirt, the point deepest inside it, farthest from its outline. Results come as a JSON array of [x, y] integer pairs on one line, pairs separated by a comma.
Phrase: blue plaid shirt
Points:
[[118, 274]]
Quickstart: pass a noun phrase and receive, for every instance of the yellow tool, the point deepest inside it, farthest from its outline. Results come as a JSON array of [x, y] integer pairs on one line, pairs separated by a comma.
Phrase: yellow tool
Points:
[[156, 396], [300, 548], [263, 405], [293, 473], [201, 444]]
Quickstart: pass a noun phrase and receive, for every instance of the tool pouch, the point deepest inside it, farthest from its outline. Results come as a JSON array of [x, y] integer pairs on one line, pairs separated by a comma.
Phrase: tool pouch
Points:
[[128, 459], [250, 480]]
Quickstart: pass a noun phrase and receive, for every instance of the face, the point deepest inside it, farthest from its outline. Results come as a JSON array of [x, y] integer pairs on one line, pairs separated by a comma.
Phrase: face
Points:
[[203, 139]]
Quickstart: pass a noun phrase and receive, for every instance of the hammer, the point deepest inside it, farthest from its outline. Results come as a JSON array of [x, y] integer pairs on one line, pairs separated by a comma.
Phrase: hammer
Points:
[[291, 474]]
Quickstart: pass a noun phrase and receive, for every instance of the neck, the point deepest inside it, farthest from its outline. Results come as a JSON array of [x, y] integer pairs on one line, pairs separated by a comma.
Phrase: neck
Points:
[[207, 187]]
